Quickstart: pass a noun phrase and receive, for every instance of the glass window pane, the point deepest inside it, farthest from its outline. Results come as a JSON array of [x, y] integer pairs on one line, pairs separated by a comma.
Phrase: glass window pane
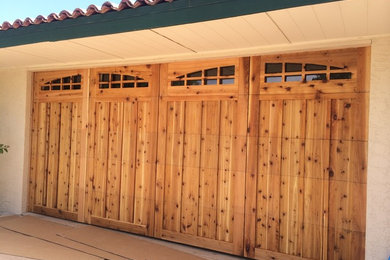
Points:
[[335, 68], [128, 77], [56, 87], [345, 75], [103, 85], [311, 77], [211, 72], [66, 80], [227, 71], [210, 81], [273, 79], [194, 82], [115, 77], [56, 81], [115, 85], [76, 79], [293, 67], [312, 67], [104, 77], [128, 85], [293, 78], [45, 88], [142, 84], [177, 83], [226, 81], [66, 87], [273, 68], [194, 74], [76, 87]]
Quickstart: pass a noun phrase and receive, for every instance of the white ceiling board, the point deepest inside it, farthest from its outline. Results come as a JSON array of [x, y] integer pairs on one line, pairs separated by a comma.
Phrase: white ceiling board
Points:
[[331, 20], [308, 23], [10, 58], [288, 26], [354, 13], [265, 27], [132, 44], [378, 16], [63, 51]]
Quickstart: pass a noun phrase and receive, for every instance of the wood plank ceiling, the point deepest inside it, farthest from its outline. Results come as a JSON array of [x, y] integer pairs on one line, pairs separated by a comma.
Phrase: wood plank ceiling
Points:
[[251, 34]]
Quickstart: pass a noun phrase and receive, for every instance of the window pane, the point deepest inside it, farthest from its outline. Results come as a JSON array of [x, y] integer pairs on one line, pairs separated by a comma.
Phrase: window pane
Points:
[[311, 67], [345, 75], [273, 68], [210, 82], [311, 77], [293, 67], [128, 85], [227, 71], [66, 80], [45, 88], [211, 72], [103, 86], [76, 86], [104, 77], [66, 87], [273, 79], [194, 82], [77, 79], [194, 74], [293, 78], [56, 87], [335, 68], [115, 77], [127, 77], [177, 83], [226, 81], [142, 84], [115, 85]]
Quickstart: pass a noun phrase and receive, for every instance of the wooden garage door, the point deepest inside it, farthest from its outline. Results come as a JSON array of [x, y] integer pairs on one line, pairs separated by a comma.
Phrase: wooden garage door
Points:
[[307, 152], [200, 166], [56, 143], [122, 136]]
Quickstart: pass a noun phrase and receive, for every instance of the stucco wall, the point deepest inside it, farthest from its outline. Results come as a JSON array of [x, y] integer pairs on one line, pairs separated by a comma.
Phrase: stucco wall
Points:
[[14, 102], [378, 181]]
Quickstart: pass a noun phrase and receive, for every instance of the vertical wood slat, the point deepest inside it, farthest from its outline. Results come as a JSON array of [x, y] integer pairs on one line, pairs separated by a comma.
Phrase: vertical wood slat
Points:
[[173, 164], [33, 156], [292, 172], [101, 153], [144, 178], [128, 161], [64, 156], [191, 163], [208, 166], [75, 155], [112, 192], [53, 157], [90, 163]]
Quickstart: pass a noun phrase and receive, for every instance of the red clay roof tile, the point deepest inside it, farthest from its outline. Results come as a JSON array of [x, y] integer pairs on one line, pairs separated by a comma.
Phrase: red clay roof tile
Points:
[[91, 10]]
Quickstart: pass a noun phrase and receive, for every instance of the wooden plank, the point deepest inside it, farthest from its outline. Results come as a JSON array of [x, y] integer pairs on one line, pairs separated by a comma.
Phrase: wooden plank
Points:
[[252, 158], [33, 155], [75, 154], [90, 160], [101, 153], [57, 213], [54, 136], [82, 203], [220, 246], [191, 168], [173, 164], [269, 181], [114, 161], [225, 185], [292, 171], [315, 231], [208, 167], [64, 156], [144, 161], [118, 225], [128, 161]]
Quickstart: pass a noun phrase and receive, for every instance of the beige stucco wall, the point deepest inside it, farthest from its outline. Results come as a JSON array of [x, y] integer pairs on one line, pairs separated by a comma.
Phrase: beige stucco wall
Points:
[[14, 102], [378, 180]]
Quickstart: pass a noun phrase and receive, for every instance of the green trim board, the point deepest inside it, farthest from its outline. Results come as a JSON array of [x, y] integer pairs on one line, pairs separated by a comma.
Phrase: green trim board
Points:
[[145, 17]]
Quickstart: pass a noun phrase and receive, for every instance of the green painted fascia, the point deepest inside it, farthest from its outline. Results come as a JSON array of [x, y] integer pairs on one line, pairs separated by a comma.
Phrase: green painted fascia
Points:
[[145, 17]]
